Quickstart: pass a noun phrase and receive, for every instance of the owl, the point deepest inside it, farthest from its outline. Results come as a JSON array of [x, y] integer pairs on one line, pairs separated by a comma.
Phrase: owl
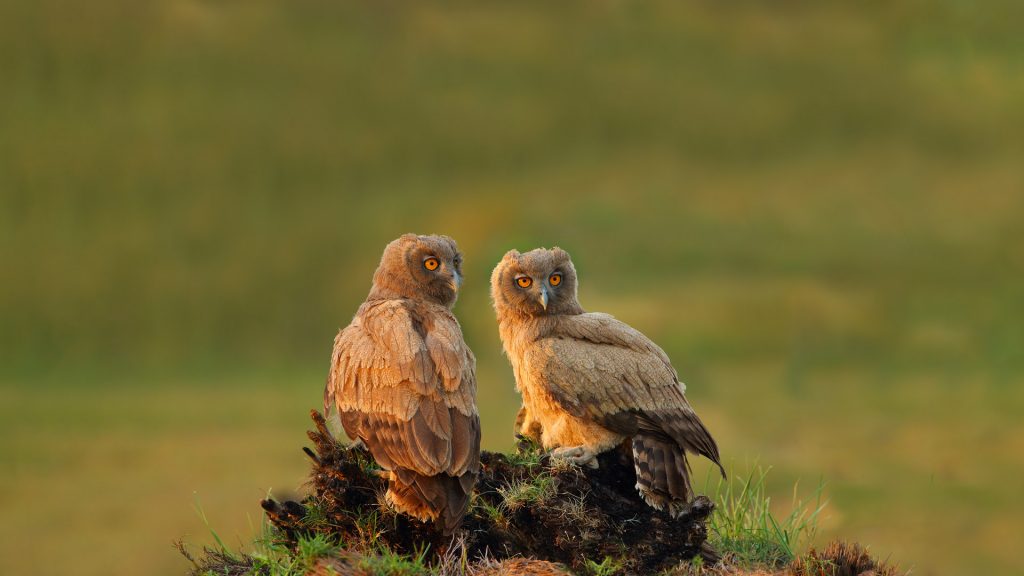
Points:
[[404, 383], [590, 382]]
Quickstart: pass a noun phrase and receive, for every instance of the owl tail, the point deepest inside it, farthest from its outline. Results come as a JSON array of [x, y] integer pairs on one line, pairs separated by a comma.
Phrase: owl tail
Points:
[[662, 474], [441, 499]]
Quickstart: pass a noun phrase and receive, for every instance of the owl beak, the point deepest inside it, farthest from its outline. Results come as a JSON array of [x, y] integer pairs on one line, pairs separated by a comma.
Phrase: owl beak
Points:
[[455, 282], [544, 298]]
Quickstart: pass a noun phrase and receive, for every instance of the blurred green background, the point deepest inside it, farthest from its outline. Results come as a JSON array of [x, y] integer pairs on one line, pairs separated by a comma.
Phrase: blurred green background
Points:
[[815, 207]]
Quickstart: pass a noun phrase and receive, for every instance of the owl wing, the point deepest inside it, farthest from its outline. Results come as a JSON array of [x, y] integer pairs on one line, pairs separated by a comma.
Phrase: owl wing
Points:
[[600, 369], [407, 395]]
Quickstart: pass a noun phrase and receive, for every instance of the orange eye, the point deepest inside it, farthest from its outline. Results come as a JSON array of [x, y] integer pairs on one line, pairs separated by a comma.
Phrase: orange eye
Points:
[[524, 281], [431, 264], [555, 279]]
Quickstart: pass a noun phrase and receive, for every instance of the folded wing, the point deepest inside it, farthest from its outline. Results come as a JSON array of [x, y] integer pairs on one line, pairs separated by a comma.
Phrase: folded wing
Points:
[[601, 369]]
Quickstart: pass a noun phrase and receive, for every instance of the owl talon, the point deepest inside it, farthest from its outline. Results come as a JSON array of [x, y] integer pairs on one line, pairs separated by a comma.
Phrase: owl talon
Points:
[[576, 455]]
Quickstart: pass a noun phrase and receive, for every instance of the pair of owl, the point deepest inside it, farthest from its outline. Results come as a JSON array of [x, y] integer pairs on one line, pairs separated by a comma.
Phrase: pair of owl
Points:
[[403, 380]]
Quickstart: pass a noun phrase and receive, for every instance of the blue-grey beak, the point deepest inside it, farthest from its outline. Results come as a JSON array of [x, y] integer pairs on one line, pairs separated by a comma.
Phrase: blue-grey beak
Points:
[[544, 297]]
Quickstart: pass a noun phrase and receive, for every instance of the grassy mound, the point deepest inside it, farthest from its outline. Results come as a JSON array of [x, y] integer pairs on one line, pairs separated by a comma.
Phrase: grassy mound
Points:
[[524, 506], [529, 515]]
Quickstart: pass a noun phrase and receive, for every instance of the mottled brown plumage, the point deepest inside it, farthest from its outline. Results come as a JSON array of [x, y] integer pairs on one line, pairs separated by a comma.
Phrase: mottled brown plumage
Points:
[[404, 381], [590, 382]]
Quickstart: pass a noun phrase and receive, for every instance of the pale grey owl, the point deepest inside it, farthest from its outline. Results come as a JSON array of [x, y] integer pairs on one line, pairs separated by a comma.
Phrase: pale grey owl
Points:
[[404, 381], [590, 382]]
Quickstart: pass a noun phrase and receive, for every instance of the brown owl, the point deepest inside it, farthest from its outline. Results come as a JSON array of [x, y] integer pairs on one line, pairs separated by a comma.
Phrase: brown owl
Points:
[[404, 381], [589, 382]]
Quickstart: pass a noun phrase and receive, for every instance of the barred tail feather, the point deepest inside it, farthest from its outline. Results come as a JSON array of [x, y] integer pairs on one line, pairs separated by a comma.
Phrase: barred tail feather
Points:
[[441, 499], [662, 474]]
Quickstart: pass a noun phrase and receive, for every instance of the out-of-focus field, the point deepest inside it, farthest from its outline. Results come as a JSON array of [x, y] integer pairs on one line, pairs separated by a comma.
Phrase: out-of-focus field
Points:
[[817, 209]]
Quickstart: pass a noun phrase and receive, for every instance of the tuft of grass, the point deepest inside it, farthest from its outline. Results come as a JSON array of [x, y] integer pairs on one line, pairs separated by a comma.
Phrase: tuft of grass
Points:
[[744, 529], [272, 558], [814, 565], [530, 491], [528, 454], [310, 548], [455, 560], [388, 563], [368, 526], [316, 516], [562, 466], [607, 567], [574, 510], [493, 513]]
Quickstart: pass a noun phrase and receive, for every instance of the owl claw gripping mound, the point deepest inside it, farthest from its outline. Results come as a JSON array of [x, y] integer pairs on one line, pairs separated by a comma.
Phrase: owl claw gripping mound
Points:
[[404, 381], [590, 382]]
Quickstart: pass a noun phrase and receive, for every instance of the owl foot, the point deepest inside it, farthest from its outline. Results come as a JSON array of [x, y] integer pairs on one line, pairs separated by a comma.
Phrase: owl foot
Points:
[[576, 455]]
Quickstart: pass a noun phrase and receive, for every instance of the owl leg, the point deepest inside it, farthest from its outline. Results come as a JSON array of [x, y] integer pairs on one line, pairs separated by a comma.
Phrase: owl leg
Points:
[[527, 427], [576, 455]]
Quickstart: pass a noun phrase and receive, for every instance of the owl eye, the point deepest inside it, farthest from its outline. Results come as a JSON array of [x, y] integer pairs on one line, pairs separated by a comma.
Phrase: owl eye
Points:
[[555, 279], [524, 281], [431, 264]]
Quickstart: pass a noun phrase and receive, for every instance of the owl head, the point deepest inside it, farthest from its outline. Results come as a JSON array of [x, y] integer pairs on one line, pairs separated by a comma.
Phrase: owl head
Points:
[[540, 282], [419, 268]]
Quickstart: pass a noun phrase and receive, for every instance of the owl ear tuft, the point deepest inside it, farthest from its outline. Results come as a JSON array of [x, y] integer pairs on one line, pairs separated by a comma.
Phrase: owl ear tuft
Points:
[[512, 254]]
